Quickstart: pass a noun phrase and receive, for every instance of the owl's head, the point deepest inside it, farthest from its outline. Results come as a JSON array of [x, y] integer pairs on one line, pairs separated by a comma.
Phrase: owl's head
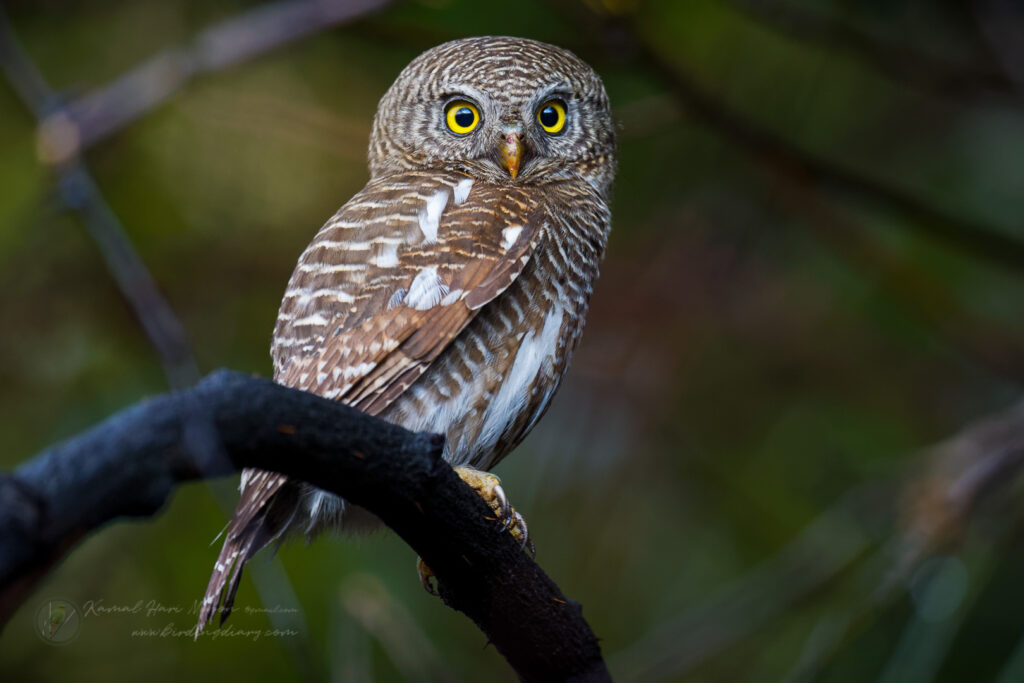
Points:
[[504, 110]]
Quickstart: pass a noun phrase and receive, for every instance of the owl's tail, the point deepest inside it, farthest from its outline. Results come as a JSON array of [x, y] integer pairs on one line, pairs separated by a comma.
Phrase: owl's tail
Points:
[[257, 521]]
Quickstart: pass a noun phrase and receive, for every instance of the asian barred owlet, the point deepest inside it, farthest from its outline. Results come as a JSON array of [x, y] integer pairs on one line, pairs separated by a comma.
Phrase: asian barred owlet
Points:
[[449, 293]]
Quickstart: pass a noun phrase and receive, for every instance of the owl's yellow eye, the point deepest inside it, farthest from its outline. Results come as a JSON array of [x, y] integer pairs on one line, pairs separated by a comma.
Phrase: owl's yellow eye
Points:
[[462, 117], [551, 116]]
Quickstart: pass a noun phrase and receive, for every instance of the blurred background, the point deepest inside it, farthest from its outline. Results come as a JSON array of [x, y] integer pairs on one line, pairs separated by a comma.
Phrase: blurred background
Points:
[[788, 446]]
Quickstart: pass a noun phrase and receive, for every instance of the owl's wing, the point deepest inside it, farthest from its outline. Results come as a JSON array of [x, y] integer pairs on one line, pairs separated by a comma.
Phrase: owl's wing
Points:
[[378, 294], [393, 278]]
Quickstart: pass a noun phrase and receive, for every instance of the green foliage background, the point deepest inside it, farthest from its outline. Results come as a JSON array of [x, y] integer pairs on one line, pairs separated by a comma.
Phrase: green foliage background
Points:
[[753, 366]]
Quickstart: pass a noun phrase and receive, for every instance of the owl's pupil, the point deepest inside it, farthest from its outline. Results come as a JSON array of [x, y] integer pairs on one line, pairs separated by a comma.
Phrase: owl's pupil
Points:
[[548, 116], [464, 117]]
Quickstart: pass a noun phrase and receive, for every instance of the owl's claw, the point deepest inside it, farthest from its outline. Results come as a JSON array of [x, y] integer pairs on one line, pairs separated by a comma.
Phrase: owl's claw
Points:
[[524, 542], [426, 574], [488, 487], [504, 510]]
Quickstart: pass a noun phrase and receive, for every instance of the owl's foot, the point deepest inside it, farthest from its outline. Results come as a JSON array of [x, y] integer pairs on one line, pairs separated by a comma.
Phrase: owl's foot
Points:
[[488, 487]]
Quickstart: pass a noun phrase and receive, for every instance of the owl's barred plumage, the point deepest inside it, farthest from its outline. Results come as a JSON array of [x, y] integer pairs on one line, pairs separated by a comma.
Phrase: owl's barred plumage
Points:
[[449, 293]]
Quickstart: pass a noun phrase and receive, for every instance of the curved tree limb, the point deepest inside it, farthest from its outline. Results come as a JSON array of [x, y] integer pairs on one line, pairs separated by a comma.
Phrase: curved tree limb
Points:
[[130, 464]]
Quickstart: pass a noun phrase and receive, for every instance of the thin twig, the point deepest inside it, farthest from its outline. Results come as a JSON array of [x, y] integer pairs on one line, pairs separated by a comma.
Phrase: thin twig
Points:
[[998, 24], [781, 155], [67, 129], [231, 42], [826, 549], [921, 295], [893, 60], [79, 193]]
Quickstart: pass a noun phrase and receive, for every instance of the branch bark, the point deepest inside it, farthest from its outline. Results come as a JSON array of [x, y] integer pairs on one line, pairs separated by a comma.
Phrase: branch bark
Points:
[[131, 463]]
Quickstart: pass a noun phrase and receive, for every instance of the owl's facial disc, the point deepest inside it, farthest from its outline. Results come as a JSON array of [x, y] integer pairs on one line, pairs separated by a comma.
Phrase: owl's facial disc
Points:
[[510, 149], [502, 110]]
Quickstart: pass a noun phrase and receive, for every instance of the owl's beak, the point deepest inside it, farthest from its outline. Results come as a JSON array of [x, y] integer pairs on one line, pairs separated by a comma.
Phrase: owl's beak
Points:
[[510, 149]]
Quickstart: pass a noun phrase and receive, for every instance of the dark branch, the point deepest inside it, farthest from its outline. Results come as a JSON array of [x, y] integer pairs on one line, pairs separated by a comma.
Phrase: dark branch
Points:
[[130, 464]]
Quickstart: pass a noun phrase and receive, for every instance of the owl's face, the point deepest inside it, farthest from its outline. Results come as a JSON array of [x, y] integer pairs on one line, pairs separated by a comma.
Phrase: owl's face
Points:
[[504, 110]]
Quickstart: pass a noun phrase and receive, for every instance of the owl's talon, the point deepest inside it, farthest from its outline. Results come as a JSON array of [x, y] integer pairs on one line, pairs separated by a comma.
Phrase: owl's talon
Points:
[[504, 509], [425, 574], [488, 486], [525, 543]]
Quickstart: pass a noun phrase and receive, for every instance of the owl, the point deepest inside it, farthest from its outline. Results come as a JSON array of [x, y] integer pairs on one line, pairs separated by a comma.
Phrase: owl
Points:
[[448, 294]]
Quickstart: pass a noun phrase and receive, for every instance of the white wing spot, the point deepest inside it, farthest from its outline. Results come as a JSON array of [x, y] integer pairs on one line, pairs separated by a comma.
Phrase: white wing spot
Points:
[[397, 297], [307, 295], [358, 370], [426, 290], [452, 297], [430, 215], [387, 257], [461, 192], [315, 319], [322, 268], [510, 235]]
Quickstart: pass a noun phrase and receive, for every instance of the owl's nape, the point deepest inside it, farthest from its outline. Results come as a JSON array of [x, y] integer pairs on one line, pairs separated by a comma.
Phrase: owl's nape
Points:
[[448, 294]]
